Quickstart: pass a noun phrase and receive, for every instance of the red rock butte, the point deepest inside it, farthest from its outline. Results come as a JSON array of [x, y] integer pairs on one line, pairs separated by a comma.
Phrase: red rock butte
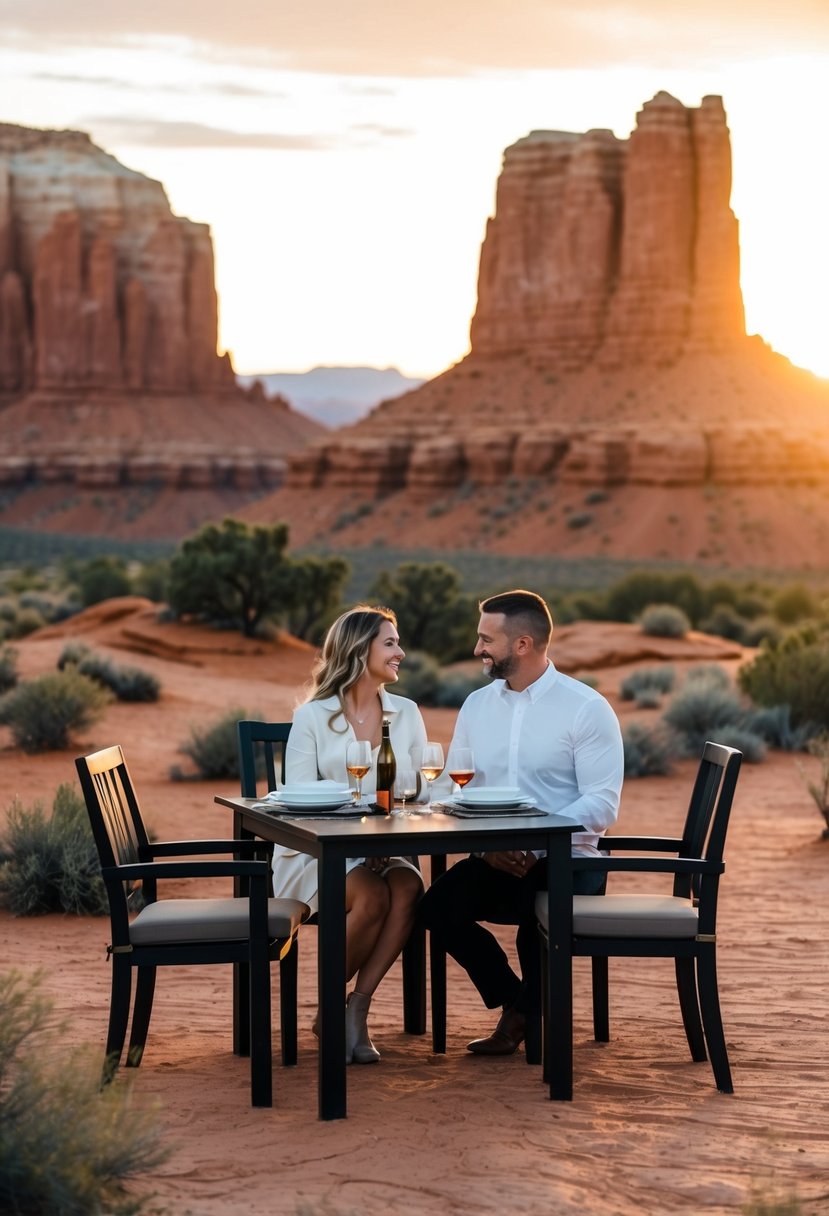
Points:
[[109, 372], [609, 362]]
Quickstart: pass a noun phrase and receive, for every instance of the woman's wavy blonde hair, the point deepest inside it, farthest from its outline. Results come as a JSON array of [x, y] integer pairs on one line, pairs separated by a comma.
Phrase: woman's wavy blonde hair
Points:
[[344, 655]]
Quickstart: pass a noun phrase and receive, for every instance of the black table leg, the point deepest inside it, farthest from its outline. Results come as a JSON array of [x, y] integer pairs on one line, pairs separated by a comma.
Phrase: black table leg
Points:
[[331, 983], [437, 967], [559, 1045]]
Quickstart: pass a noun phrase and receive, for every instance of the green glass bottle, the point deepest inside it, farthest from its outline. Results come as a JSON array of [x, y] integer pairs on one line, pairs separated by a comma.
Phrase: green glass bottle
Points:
[[386, 771]]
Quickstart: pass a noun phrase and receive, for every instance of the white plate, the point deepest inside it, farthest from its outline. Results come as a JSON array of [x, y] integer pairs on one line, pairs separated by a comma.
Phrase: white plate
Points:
[[494, 804], [491, 793], [301, 805], [310, 796]]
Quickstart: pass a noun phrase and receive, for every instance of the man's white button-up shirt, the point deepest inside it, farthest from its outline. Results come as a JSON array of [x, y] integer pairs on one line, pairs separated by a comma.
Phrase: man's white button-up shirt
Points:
[[558, 740]]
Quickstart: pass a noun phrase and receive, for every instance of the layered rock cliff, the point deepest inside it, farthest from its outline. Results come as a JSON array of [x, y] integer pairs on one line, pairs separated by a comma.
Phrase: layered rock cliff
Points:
[[109, 370], [608, 344]]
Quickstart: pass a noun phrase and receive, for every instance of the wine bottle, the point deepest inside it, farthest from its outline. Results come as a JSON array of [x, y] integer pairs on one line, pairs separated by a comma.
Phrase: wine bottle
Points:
[[386, 771]]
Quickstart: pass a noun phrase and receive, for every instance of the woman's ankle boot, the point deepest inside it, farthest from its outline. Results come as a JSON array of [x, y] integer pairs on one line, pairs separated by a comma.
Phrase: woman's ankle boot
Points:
[[358, 1046]]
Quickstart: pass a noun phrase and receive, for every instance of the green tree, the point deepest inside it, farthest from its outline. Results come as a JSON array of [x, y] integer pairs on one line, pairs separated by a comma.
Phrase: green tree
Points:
[[316, 586], [101, 578], [794, 671], [432, 613], [234, 574]]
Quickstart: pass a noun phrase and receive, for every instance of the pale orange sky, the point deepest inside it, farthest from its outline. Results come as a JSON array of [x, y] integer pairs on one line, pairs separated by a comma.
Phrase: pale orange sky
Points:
[[346, 154]]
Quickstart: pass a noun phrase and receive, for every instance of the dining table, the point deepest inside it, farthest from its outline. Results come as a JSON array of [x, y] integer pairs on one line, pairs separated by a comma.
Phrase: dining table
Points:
[[437, 834]]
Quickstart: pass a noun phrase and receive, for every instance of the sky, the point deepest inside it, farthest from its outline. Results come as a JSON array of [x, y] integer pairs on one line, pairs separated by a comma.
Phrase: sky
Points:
[[345, 153]]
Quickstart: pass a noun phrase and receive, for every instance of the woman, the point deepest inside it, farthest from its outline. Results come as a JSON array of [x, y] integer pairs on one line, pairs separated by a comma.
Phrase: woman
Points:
[[348, 700]]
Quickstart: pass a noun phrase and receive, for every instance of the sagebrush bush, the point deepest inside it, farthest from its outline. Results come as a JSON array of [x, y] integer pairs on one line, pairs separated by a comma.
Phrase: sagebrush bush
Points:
[[214, 749], [419, 678], [793, 671], [648, 752], [712, 675], [774, 724], [454, 688], [647, 679], [67, 1148], [50, 863], [747, 741], [126, 683], [664, 621], [8, 668], [702, 709], [819, 790], [43, 713]]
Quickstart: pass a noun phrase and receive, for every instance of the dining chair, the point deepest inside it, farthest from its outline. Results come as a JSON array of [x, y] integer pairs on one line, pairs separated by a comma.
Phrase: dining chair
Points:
[[262, 755], [166, 932], [682, 925]]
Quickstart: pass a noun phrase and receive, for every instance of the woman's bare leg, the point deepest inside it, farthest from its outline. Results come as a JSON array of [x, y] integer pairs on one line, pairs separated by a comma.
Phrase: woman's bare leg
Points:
[[405, 889], [367, 905]]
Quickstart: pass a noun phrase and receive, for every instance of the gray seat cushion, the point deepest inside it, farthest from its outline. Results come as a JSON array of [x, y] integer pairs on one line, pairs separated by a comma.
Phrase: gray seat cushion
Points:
[[198, 920], [628, 915]]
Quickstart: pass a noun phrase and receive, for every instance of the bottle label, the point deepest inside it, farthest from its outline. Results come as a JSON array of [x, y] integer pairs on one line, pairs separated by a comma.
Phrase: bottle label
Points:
[[383, 799]]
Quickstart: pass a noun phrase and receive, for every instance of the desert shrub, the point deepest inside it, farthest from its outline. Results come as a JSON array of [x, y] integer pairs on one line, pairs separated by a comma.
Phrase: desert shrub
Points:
[[43, 713], [664, 621], [762, 629], [151, 581], [214, 749], [774, 724], [793, 671], [710, 674], [702, 709], [725, 622], [648, 698], [795, 603], [647, 679], [648, 752], [66, 1148], [8, 668], [23, 622], [50, 863], [127, 683], [747, 741], [628, 598]]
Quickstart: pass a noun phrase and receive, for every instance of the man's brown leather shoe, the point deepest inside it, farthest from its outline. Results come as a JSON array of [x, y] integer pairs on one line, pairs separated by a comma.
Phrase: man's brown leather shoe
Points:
[[505, 1038]]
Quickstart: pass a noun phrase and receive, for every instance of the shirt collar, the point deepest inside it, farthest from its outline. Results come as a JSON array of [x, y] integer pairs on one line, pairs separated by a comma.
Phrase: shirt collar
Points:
[[538, 688]]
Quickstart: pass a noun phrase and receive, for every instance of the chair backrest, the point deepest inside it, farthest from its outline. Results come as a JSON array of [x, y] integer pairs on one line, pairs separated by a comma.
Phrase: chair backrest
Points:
[[709, 809], [117, 827], [258, 742]]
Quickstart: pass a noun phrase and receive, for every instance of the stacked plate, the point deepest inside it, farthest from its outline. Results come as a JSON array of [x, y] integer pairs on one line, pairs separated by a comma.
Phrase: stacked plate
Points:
[[488, 799], [311, 796]]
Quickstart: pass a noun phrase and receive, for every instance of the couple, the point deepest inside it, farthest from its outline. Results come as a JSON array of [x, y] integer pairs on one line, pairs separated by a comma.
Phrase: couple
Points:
[[553, 736]]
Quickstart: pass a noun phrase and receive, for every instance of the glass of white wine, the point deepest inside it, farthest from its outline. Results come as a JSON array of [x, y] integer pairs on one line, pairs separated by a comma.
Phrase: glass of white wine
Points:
[[357, 763], [431, 766], [405, 787], [461, 766]]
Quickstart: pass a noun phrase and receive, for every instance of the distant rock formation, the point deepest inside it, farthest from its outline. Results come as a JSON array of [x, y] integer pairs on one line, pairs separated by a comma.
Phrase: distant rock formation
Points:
[[612, 250], [108, 331], [608, 343]]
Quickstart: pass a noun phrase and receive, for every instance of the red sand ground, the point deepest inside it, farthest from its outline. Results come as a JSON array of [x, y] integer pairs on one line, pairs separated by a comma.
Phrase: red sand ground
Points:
[[646, 1133]]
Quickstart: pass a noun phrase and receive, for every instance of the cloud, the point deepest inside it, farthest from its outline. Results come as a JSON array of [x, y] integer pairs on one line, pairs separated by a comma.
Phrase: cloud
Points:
[[436, 37], [159, 133], [216, 88]]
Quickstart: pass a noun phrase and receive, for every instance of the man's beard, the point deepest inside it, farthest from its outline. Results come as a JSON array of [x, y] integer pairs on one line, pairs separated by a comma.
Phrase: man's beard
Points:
[[501, 669]]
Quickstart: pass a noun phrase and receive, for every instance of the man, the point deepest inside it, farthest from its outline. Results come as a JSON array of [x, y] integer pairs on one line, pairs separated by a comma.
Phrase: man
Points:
[[559, 741]]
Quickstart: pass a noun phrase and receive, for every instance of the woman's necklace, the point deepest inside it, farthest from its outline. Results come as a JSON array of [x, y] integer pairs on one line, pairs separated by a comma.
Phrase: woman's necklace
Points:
[[351, 713]]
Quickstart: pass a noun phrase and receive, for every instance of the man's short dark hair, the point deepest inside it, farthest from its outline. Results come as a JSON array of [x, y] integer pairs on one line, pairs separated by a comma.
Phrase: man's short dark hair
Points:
[[526, 613]]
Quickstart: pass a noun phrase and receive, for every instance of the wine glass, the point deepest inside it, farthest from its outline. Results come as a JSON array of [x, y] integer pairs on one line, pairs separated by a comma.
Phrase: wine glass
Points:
[[461, 766], [431, 766], [405, 786], [358, 762]]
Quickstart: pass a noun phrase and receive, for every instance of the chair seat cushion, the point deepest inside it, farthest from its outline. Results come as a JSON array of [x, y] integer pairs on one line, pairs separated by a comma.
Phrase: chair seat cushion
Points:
[[198, 920], [666, 916]]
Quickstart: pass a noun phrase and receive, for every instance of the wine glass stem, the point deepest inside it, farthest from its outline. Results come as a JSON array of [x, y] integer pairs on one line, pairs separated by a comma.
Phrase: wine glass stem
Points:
[[428, 792]]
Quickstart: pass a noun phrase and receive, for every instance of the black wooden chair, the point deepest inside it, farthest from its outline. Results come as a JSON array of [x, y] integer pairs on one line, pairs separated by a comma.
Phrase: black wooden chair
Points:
[[682, 925], [262, 752], [167, 932]]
